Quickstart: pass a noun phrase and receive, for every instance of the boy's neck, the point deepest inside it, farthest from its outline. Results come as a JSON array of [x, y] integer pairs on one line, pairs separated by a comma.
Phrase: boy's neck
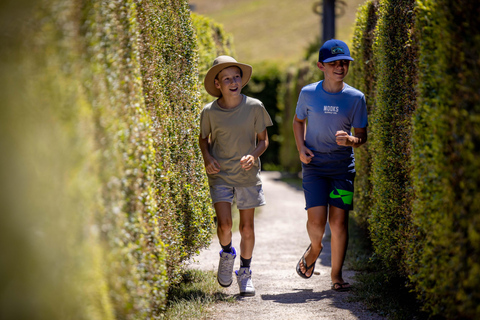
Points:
[[332, 86], [230, 102]]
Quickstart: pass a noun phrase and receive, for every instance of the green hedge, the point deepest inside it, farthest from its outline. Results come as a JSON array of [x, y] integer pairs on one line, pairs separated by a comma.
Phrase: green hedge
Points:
[[423, 146], [53, 263], [445, 261], [394, 57], [130, 221], [103, 190], [170, 59], [363, 76]]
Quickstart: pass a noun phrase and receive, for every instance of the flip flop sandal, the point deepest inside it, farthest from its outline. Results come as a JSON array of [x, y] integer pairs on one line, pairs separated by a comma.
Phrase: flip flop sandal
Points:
[[341, 287], [307, 267]]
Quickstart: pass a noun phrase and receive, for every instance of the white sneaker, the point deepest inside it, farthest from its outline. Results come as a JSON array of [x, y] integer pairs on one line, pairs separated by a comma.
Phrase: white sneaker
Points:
[[225, 267], [244, 280]]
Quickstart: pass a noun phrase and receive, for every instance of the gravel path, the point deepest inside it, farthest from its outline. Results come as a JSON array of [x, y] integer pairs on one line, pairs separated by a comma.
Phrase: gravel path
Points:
[[281, 238]]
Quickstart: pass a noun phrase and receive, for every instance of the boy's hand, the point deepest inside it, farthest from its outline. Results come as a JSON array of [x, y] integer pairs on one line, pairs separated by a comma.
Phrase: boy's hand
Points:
[[212, 166], [306, 155], [343, 138], [247, 162]]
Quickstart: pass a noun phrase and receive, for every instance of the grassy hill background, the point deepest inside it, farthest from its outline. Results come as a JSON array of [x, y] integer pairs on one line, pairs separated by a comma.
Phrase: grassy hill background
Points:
[[278, 30]]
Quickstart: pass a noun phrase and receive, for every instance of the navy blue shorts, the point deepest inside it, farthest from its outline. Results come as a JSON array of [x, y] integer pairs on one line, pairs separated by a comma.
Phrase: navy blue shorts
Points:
[[328, 180]]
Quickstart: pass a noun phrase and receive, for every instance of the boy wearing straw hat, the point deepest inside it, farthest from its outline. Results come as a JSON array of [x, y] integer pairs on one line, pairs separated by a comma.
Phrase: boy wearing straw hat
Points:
[[326, 112], [232, 138]]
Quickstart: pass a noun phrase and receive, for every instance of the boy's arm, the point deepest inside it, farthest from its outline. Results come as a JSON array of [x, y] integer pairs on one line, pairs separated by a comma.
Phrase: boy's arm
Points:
[[262, 145], [306, 154], [355, 141], [211, 165]]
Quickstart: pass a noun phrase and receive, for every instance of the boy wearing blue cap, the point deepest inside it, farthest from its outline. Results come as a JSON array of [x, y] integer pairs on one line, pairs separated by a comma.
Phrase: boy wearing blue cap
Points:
[[330, 108]]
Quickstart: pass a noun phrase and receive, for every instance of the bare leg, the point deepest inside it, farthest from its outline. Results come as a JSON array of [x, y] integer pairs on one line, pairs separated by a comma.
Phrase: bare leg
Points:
[[224, 222], [338, 220], [317, 219], [247, 232]]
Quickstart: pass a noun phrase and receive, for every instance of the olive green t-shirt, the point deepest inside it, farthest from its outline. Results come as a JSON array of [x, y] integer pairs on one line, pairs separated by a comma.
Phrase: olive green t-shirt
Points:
[[233, 134]]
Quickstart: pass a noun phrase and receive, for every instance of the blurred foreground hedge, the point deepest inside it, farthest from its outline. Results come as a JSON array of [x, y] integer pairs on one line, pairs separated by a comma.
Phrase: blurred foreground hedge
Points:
[[102, 187], [419, 178]]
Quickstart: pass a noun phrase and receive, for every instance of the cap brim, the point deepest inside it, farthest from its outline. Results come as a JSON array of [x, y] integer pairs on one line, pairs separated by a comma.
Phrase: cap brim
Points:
[[338, 58], [209, 82]]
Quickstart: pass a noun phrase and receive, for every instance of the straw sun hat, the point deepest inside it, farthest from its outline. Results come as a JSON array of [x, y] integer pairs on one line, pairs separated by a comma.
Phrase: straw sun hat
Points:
[[220, 63]]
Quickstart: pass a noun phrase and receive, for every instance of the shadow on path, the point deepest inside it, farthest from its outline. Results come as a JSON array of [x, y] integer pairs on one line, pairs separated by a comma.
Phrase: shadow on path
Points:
[[280, 240], [299, 296]]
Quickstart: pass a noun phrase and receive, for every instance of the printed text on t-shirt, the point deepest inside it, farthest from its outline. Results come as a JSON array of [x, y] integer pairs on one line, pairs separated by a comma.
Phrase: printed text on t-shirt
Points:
[[330, 109]]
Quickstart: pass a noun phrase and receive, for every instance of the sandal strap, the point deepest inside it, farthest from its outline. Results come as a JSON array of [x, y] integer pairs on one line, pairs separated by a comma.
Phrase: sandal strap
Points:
[[340, 285], [305, 262], [307, 267]]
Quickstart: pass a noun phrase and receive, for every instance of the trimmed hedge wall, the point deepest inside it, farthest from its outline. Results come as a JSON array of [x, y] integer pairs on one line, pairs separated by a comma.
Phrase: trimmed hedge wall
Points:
[[130, 221], [169, 58], [423, 97], [445, 264], [394, 57], [363, 77], [52, 261], [384, 69], [103, 191]]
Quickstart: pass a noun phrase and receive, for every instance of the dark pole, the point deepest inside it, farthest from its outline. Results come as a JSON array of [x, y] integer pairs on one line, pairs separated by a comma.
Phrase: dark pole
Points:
[[328, 19]]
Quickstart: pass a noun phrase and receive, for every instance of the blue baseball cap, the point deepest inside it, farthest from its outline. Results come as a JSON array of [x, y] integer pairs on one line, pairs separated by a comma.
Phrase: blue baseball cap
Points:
[[333, 50]]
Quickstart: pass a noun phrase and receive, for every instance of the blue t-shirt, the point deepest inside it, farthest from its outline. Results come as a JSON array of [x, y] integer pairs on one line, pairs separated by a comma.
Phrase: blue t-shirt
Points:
[[327, 113]]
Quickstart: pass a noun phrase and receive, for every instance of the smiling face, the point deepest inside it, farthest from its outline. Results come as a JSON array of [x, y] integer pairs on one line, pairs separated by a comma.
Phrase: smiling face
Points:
[[229, 82], [334, 71]]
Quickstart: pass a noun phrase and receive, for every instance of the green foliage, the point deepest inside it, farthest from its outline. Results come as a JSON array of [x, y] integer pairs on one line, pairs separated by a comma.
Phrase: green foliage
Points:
[[52, 260], [363, 75], [445, 264], [424, 144], [294, 78], [103, 188], [287, 101], [379, 288], [169, 57], [264, 85], [130, 222], [212, 41], [197, 291], [394, 56]]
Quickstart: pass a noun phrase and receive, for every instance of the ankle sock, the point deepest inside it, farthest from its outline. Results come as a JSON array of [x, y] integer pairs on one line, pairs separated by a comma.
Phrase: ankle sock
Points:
[[245, 263], [227, 248]]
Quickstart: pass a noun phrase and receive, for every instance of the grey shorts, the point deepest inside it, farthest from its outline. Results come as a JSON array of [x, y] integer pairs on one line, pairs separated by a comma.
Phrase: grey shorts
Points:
[[246, 197]]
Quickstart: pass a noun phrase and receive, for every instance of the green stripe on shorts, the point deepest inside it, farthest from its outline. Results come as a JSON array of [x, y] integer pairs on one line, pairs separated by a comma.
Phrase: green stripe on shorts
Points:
[[347, 196]]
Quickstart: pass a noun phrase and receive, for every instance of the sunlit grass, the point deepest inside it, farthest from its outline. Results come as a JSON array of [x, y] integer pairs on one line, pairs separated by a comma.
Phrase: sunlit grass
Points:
[[192, 298], [278, 30], [199, 290]]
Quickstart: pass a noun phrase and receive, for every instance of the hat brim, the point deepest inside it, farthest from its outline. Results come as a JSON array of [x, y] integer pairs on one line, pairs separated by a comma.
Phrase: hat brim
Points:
[[338, 58], [209, 82]]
